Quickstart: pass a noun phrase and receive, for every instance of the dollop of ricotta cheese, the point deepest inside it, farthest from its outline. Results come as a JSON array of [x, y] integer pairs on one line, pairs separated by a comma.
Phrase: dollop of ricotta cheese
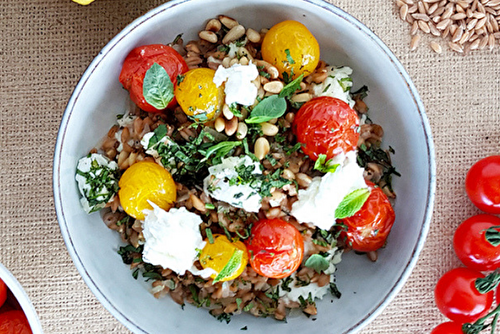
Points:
[[317, 203], [239, 87], [217, 184], [337, 84], [96, 195], [173, 239]]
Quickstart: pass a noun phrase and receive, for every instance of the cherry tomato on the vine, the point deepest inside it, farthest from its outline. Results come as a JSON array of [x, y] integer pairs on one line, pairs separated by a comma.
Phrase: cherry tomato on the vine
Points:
[[3, 292], [326, 125], [368, 229], [275, 248], [457, 297], [14, 322], [482, 184], [471, 245], [448, 328], [140, 60]]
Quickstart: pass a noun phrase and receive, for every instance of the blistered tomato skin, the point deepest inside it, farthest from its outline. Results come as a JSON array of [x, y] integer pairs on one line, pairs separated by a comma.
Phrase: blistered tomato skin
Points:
[[198, 95], [471, 245], [326, 125], [216, 255], [140, 60], [291, 48], [3, 292], [275, 247], [448, 328], [482, 184], [368, 229], [457, 297], [142, 182], [14, 322]]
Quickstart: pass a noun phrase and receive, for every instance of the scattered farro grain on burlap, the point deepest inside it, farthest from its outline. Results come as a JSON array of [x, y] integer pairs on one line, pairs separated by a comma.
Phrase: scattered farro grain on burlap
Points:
[[466, 25]]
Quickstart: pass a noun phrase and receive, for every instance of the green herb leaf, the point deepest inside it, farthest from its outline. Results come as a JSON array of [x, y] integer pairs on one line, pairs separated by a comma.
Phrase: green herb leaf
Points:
[[488, 283], [221, 149], [492, 235], [352, 203], [158, 89], [231, 266], [289, 57], [325, 166], [271, 107], [209, 206], [345, 83], [210, 236], [317, 262], [293, 86], [158, 134], [334, 290]]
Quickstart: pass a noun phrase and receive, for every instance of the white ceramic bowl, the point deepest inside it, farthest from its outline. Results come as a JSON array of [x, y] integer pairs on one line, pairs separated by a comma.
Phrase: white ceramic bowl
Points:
[[394, 103], [22, 299]]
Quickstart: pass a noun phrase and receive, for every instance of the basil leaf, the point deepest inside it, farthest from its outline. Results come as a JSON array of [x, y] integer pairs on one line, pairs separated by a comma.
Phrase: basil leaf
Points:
[[317, 262], [221, 149], [325, 166], [271, 107], [157, 88], [289, 89], [352, 203], [289, 57], [159, 133], [231, 266]]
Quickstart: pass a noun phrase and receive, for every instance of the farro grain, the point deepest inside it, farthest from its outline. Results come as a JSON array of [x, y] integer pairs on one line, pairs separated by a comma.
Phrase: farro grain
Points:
[[412, 9], [457, 35], [414, 42], [494, 24], [475, 44], [491, 42], [472, 24], [456, 47], [434, 30], [458, 16], [465, 37], [443, 24], [422, 17], [483, 42], [424, 26], [421, 7], [446, 32], [436, 47], [432, 8], [400, 3]]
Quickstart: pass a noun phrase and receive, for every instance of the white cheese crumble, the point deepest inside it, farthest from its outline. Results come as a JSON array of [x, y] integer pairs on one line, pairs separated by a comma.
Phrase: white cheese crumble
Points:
[[173, 239], [216, 184], [95, 197], [317, 203], [304, 291], [152, 150], [239, 87], [337, 84]]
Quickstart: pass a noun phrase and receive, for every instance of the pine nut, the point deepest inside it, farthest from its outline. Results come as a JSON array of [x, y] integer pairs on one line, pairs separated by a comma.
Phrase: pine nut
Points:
[[227, 112], [270, 69], [213, 25], [288, 174], [253, 36], [273, 87], [198, 204], [219, 124], [233, 34], [208, 36], [303, 180], [261, 148], [244, 60], [269, 129], [241, 131], [228, 21], [231, 126], [303, 97]]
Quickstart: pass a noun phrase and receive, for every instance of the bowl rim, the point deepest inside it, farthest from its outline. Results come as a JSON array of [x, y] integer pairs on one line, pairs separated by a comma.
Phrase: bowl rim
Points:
[[408, 267], [22, 298]]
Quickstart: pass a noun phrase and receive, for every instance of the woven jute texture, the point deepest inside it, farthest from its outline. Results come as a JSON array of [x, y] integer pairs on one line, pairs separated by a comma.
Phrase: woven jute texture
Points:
[[45, 46]]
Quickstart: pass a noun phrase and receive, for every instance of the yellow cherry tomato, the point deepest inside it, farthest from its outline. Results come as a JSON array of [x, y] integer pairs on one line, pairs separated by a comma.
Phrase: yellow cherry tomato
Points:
[[198, 96], [142, 182], [228, 259], [83, 2], [292, 48]]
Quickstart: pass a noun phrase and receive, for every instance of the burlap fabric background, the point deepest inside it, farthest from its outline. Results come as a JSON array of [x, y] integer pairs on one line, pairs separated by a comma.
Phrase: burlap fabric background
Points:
[[45, 46]]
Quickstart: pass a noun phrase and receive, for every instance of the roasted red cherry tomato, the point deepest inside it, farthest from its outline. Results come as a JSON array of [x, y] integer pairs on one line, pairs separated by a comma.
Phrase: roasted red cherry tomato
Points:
[[140, 60], [482, 184], [471, 245], [368, 229], [14, 322], [448, 328], [326, 125], [3, 292], [275, 248], [457, 297]]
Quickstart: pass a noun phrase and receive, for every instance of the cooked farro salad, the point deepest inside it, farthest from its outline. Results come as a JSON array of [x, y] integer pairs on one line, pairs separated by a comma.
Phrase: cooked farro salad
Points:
[[243, 169]]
